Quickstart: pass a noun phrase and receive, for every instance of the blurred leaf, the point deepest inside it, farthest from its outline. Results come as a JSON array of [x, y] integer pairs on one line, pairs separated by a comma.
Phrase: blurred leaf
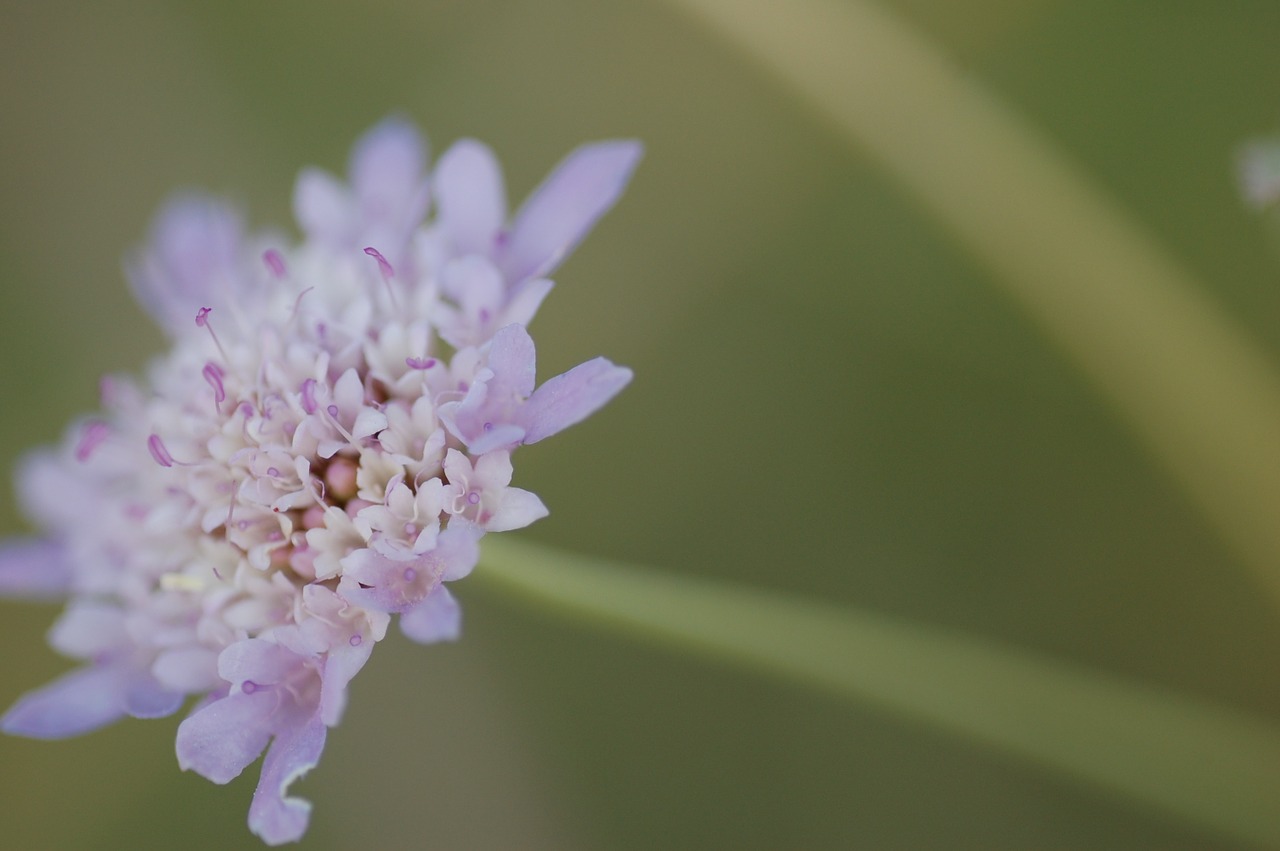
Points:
[[1193, 760], [1190, 382]]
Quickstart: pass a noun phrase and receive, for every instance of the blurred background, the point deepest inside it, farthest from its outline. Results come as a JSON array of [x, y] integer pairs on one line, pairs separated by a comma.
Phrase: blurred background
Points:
[[831, 400]]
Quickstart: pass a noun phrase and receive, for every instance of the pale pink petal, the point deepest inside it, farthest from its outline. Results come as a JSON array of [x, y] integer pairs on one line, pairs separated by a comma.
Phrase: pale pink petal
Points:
[[89, 628], [76, 703], [566, 206], [517, 509], [437, 618], [257, 660], [525, 299], [387, 167], [323, 207], [187, 669], [296, 750], [470, 197], [571, 397], [221, 739], [192, 260], [144, 697], [34, 570], [341, 664]]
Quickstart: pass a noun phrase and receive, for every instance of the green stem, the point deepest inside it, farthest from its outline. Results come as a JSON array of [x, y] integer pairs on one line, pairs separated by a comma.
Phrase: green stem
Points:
[[1202, 763], [1204, 399]]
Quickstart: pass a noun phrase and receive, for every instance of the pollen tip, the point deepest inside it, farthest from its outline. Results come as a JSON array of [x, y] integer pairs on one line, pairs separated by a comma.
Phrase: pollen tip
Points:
[[274, 262], [158, 451], [383, 266]]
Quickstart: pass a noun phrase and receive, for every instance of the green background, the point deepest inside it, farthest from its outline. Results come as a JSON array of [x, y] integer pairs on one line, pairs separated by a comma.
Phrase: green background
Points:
[[831, 400]]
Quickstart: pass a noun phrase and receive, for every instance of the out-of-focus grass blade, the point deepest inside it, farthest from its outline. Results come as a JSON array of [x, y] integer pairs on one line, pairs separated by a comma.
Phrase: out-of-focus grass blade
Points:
[[1195, 388], [1203, 763]]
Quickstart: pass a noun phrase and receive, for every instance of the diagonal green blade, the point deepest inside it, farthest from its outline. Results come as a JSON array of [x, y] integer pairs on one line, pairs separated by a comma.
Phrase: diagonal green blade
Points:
[[1191, 759]]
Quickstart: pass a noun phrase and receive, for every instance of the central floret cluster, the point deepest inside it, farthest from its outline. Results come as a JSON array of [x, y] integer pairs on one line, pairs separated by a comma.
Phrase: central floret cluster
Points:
[[323, 448]]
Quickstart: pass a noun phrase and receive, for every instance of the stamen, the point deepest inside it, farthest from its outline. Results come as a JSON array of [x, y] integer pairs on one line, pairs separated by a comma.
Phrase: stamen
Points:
[[473, 498], [410, 574], [387, 272], [248, 687], [159, 451], [202, 320], [420, 363], [297, 303], [94, 433], [355, 640], [309, 396], [383, 266], [275, 263], [213, 374]]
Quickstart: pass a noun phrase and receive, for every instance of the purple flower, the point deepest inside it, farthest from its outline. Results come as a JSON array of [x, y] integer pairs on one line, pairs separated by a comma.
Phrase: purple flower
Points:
[[321, 451]]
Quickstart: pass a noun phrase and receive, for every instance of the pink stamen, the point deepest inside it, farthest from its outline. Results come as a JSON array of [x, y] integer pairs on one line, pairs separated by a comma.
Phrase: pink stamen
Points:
[[202, 320], [275, 263], [383, 266], [159, 451], [213, 374], [420, 363], [309, 396], [387, 272], [94, 433]]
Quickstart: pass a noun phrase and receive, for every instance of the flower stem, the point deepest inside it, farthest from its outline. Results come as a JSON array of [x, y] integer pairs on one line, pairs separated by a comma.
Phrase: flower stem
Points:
[[1206, 764], [1203, 398]]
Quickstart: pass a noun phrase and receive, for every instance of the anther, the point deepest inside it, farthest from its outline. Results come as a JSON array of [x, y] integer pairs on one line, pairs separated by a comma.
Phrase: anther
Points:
[[159, 451], [275, 263], [420, 363], [94, 433], [202, 320], [309, 395], [385, 269], [213, 374]]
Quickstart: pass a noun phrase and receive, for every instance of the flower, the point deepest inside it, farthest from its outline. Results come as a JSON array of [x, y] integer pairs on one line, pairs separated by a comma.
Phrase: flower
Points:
[[323, 448]]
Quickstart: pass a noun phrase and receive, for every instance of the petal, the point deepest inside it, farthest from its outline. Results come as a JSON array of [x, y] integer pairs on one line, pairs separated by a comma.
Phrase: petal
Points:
[[496, 438], [525, 299], [187, 669], [323, 207], [257, 660], [76, 703], [458, 549], [342, 664], [389, 584], [34, 570], [387, 165], [571, 397], [561, 211], [190, 261], [272, 816], [89, 628], [513, 359], [145, 697], [470, 196], [437, 618], [518, 509], [221, 739]]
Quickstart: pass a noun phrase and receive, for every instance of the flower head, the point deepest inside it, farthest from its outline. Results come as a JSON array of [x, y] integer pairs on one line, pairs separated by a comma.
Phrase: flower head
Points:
[[322, 449]]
